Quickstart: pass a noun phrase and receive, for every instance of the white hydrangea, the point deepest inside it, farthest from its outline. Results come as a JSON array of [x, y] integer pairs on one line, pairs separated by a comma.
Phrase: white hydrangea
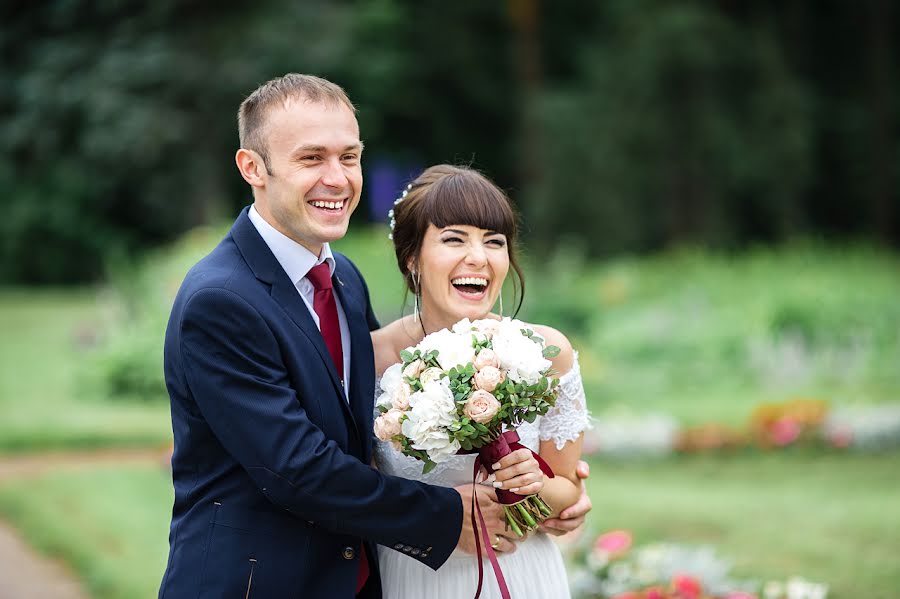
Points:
[[431, 411]]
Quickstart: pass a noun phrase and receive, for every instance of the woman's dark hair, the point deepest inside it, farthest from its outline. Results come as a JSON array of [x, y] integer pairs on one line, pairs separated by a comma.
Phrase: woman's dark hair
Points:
[[445, 195]]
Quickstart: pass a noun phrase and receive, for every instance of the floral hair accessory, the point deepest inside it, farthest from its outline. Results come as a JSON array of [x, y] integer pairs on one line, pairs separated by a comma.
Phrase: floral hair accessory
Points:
[[393, 222]]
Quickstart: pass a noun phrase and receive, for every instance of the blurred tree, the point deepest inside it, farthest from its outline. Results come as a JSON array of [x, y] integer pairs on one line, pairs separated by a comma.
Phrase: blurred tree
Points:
[[627, 124]]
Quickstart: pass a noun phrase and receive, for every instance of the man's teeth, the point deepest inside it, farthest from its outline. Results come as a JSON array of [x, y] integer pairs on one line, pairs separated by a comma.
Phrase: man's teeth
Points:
[[470, 281], [329, 205]]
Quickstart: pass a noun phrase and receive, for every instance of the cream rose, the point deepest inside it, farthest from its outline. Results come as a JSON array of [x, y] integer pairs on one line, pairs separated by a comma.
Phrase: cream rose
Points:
[[400, 400], [487, 326], [486, 357], [414, 369], [388, 424], [488, 378], [430, 375], [481, 406]]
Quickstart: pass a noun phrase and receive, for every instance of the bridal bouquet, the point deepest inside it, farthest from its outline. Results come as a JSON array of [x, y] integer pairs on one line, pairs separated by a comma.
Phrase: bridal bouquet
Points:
[[465, 390]]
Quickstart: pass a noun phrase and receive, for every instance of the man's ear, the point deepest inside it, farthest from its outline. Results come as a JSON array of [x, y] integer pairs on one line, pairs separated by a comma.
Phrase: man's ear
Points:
[[251, 166]]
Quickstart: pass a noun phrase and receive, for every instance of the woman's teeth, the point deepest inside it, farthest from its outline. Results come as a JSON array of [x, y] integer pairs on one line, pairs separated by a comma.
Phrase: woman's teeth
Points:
[[470, 284], [329, 205]]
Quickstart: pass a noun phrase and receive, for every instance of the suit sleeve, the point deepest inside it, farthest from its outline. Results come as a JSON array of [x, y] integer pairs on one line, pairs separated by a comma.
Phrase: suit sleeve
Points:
[[235, 374]]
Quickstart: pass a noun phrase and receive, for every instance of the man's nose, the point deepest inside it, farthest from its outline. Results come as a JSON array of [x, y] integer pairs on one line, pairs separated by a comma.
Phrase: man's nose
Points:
[[334, 175]]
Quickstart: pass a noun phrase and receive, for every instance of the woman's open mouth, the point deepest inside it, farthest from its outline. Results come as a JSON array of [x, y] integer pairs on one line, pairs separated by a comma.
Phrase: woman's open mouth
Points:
[[471, 287]]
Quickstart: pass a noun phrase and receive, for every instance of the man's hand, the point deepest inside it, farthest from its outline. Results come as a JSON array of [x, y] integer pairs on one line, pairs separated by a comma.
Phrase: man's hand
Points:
[[573, 516], [500, 537]]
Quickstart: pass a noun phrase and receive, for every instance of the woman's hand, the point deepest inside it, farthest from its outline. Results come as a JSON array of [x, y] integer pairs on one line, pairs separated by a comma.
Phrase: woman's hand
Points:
[[519, 472]]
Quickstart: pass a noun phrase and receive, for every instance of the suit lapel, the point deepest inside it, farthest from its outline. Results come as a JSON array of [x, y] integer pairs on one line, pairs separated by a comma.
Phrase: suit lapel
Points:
[[267, 269], [362, 365]]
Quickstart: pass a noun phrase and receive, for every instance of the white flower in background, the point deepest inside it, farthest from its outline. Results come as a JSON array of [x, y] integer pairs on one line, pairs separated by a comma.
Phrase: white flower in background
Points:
[[453, 349], [432, 411], [520, 356], [391, 381]]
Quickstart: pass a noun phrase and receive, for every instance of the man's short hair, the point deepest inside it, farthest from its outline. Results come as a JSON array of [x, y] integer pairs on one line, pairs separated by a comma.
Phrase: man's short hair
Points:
[[292, 86]]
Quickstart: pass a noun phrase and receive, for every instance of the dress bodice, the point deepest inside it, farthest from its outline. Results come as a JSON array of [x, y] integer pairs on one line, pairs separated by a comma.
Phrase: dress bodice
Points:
[[563, 423]]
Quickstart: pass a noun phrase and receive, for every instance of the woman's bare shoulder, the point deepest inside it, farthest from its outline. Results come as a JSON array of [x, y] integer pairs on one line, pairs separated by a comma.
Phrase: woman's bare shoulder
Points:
[[563, 362], [388, 341]]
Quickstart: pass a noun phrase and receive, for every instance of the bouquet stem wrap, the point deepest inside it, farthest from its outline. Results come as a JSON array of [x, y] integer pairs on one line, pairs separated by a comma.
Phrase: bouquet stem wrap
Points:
[[489, 454]]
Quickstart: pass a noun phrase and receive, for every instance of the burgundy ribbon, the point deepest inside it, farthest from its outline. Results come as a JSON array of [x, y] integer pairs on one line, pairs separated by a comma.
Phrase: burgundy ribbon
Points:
[[505, 444]]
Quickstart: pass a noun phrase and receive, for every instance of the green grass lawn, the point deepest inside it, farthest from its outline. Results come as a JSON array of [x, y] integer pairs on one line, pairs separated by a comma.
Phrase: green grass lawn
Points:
[[830, 518], [45, 361]]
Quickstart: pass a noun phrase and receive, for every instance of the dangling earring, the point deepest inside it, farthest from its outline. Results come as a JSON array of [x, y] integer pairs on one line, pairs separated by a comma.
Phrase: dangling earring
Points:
[[415, 280], [501, 303]]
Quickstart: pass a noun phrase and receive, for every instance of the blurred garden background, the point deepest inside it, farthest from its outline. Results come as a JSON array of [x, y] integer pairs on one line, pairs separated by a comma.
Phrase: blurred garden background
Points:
[[710, 201]]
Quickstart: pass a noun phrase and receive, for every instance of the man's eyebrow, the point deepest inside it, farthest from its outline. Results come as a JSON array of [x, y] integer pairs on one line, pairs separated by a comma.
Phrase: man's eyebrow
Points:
[[321, 149]]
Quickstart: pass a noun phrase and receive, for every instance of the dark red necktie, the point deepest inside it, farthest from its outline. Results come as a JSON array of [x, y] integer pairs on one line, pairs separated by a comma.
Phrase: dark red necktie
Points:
[[330, 326], [326, 309]]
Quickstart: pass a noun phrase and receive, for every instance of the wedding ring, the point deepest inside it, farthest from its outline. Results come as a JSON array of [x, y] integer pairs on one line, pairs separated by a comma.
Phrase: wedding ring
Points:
[[496, 542]]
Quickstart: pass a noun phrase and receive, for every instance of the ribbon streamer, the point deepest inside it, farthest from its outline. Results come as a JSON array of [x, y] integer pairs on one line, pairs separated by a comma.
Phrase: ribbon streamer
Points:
[[505, 444]]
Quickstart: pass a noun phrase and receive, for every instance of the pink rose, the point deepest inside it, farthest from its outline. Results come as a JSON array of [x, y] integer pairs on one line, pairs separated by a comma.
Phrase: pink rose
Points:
[[488, 378], [614, 542], [785, 431], [656, 593], [481, 407], [400, 401], [485, 358], [388, 424], [686, 586]]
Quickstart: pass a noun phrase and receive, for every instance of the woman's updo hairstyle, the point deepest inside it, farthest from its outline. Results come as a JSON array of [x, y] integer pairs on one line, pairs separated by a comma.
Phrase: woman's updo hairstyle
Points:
[[445, 195]]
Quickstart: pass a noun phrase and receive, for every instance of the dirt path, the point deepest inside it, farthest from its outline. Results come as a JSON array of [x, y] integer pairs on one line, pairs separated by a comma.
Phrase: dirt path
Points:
[[23, 572]]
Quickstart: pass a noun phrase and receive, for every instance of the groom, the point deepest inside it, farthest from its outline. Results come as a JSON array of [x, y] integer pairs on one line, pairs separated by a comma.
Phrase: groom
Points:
[[270, 372]]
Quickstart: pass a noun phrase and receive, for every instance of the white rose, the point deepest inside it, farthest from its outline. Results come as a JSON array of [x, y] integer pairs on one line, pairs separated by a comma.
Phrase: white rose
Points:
[[521, 357], [487, 326], [453, 349], [390, 385], [463, 326], [488, 378], [432, 411], [388, 424]]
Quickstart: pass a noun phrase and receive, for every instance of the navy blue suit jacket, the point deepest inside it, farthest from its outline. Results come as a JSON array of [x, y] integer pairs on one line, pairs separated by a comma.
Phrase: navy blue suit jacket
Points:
[[273, 489]]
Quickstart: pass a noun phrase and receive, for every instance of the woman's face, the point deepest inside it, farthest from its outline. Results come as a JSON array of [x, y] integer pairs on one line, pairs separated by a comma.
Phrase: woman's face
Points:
[[461, 270]]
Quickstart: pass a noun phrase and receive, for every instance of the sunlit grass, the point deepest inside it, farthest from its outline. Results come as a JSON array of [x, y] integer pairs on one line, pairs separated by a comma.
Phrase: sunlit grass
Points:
[[48, 336]]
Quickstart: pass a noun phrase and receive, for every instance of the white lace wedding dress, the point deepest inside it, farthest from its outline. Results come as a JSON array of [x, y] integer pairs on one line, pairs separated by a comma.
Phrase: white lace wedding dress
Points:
[[535, 570]]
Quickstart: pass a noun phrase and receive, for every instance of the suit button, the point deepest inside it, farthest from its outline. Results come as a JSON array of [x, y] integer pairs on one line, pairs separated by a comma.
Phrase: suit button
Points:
[[416, 552], [348, 553], [407, 548], [398, 546]]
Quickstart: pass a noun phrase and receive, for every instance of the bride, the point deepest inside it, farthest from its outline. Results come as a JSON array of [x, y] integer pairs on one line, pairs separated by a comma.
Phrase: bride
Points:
[[454, 236]]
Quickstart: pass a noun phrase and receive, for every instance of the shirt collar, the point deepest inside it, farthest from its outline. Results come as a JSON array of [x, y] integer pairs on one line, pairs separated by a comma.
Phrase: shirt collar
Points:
[[295, 259]]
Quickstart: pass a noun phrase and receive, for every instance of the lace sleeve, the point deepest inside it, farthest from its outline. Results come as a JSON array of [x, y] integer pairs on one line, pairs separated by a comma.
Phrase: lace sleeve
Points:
[[569, 417]]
